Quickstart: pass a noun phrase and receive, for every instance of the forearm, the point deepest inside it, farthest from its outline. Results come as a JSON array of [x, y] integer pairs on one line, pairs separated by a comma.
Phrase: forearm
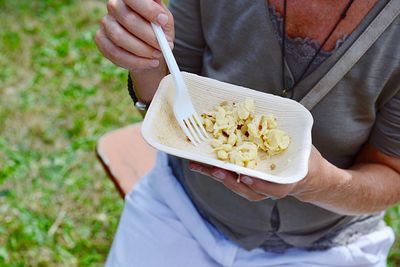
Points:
[[364, 188], [146, 81]]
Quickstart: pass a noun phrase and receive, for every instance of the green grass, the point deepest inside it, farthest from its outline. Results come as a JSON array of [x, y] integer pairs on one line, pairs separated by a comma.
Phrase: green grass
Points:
[[393, 219], [58, 95]]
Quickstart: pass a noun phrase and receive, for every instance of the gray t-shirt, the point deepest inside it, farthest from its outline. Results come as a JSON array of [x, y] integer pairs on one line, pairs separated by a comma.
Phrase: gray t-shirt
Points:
[[234, 41]]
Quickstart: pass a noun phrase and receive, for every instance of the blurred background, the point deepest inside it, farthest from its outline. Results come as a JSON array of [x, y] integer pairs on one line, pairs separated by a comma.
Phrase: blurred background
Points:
[[58, 95]]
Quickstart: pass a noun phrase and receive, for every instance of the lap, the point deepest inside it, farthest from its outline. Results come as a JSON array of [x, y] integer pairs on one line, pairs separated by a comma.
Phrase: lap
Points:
[[160, 227]]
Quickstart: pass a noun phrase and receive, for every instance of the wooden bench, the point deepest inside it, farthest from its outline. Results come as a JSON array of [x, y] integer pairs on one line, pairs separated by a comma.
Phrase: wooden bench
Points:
[[125, 156]]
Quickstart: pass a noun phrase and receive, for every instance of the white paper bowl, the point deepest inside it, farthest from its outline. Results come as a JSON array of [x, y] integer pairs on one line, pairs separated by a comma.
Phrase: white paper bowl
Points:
[[161, 130]]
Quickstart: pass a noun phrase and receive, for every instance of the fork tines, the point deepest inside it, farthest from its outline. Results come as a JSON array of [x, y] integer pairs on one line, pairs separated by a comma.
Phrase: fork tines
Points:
[[194, 129]]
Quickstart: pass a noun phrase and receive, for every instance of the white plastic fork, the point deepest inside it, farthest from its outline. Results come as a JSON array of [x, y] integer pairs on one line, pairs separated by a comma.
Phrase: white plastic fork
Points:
[[184, 111]]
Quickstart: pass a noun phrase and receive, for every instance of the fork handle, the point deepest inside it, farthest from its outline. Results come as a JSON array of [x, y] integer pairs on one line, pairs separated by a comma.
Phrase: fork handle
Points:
[[169, 58]]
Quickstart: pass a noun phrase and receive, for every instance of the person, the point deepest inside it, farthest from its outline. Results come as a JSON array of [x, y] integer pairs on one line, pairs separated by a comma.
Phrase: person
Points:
[[187, 214]]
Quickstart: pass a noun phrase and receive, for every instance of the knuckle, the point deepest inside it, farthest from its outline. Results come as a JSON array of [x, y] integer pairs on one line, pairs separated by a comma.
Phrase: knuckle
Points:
[[169, 14], [171, 22], [233, 186], [131, 60], [116, 36], [103, 22], [130, 19], [154, 10], [227, 185], [254, 188], [305, 197], [112, 6], [280, 195], [215, 179], [97, 37], [116, 55], [140, 64], [256, 198], [113, 54], [251, 198], [241, 194]]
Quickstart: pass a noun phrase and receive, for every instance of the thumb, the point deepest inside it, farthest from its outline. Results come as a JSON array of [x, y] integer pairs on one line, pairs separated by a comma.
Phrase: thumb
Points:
[[169, 27]]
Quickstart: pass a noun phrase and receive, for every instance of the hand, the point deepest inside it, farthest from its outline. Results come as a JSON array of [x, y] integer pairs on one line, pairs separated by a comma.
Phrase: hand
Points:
[[255, 189], [126, 37]]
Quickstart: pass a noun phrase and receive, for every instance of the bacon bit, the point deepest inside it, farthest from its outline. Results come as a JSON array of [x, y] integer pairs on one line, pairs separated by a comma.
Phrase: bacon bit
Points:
[[225, 134], [187, 139], [239, 127], [247, 134]]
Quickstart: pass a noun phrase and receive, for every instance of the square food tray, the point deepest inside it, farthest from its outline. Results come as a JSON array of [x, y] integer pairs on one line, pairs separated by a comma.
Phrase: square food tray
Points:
[[161, 130]]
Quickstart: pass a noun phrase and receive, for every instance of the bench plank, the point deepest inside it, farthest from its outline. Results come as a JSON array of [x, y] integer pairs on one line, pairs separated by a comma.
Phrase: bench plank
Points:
[[125, 156]]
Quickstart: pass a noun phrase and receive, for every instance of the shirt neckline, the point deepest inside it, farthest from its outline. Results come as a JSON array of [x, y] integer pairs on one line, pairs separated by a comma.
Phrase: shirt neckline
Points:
[[306, 84], [307, 41]]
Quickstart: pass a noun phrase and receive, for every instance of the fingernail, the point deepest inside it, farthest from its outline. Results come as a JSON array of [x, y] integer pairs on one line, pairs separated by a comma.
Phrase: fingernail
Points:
[[162, 19], [154, 63], [171, 45], [246, 180], [156, 54], [219, 175], [195, 168]]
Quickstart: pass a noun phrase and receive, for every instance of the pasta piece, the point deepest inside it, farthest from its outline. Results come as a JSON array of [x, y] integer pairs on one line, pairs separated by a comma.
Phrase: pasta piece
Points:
[[239, 133], [221, 154]]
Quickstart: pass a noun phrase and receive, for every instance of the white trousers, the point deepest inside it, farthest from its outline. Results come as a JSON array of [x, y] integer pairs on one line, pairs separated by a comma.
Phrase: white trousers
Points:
[[160, 227]]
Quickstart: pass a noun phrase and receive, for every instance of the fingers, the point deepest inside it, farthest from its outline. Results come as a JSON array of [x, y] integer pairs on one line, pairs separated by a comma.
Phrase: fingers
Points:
[[251, 188], [154, 12], [126, 37], [263, 187], [122, 38], [149, 10], [201, 168], [134, 23], [241, 189], [121, 57], [169, 27], [229, 179], [213, 172]]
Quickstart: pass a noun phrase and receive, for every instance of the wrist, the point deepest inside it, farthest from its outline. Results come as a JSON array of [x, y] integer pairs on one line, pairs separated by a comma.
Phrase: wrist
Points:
[[322, 183], [146, 81]]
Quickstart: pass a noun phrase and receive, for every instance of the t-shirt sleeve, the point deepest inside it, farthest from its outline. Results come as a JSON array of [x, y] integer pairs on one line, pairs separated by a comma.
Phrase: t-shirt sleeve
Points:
[[189, 41], [385, 135]]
